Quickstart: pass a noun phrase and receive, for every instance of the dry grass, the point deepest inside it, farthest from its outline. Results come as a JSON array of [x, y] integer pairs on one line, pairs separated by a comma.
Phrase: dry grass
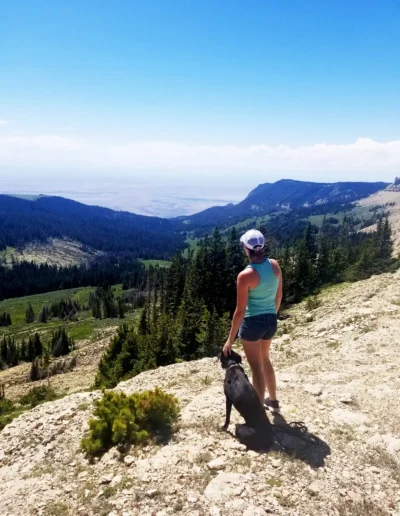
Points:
[[274, 482], [382, 459], [206, 380], [362, 508], [345, 432], [243, 461], [203, 458], [56, 509]]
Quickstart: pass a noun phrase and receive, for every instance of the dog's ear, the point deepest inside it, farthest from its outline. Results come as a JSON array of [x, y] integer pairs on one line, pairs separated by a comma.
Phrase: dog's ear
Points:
[[236, 357]]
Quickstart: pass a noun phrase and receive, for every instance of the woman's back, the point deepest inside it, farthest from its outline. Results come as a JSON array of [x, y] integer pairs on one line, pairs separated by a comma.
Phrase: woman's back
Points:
[[262, 299]]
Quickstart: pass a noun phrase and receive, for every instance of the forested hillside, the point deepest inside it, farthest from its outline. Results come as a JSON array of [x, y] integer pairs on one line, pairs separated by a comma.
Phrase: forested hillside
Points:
[[190, 304], [301, 198], [23, 221], [287, 202], [27, 278]]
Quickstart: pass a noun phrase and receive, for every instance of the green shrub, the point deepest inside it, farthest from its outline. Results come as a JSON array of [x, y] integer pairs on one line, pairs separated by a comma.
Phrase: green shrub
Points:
[[127, 355], [7, 409], [312, 303], [6, 406], [124, 420], [6, 419], [38, 395]]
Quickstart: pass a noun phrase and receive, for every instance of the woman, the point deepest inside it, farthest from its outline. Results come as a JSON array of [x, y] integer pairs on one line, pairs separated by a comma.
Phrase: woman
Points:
[[259, 296]]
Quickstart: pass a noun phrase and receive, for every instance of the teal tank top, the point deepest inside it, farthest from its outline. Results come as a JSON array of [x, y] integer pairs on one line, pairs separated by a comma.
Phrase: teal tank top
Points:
[[261, 299]]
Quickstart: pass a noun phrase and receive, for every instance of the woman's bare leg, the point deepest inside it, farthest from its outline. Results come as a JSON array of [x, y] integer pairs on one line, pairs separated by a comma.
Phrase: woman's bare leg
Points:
[[255, 359], [269, 373]]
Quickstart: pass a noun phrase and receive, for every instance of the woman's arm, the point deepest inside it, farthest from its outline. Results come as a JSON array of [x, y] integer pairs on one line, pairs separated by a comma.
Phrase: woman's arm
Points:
[[279, 292], [238, 316]]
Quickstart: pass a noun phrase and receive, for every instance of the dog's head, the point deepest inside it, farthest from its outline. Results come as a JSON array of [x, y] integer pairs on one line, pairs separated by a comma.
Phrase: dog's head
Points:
[[228, 360]]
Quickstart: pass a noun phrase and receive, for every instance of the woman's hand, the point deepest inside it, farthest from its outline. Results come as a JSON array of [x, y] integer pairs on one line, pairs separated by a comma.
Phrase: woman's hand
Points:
[[227, 348], [238, 316]]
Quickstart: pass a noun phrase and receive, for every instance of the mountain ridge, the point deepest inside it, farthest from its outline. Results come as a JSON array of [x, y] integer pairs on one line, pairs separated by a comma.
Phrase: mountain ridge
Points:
[[23, 221], [285, 194]]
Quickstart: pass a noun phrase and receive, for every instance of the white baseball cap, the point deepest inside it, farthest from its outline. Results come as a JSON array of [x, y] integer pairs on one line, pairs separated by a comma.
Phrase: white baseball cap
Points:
[[253, 239]]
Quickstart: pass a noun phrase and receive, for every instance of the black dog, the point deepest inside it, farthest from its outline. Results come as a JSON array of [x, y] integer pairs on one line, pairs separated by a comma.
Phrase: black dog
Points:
[[257, 432]]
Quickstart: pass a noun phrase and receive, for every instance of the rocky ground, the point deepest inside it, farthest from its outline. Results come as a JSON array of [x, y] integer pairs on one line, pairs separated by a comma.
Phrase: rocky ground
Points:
[[56, 251], [390, 198], [338, 370]]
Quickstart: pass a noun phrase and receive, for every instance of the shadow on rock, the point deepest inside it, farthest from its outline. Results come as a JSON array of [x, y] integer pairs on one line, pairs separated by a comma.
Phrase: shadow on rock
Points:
[[295, 440]]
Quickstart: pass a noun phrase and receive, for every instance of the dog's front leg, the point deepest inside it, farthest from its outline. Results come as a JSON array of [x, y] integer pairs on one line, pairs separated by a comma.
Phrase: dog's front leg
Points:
[[228, 413]]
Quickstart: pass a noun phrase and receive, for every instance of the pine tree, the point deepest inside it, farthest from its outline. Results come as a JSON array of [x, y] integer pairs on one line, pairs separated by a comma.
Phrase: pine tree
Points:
[[29, 314], [175, 283], [218, 274], [387, 243], [23, 351], [5, 319], [43, 315], [188, 322], [110, 308], [235, 263], [61, 343], [310, 244], [169, 347], [95, 304], [37, 345], [121, 357], [12, 352], [31, 349], [323, 263], [34, 374], [46, 364], [4, 350], [144, 326], [121, 308], [213, 332]]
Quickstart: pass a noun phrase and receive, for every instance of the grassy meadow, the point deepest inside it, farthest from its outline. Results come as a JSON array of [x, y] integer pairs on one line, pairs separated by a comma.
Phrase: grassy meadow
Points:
[[85, 327], [154, 263]]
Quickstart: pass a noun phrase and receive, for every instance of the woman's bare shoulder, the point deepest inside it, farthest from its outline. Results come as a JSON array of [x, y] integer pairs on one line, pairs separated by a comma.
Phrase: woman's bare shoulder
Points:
[[275, 266], [247, 274]]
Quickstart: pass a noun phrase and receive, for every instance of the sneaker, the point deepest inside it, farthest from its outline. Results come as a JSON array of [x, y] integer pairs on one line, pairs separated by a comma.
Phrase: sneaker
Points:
[[273, 406]]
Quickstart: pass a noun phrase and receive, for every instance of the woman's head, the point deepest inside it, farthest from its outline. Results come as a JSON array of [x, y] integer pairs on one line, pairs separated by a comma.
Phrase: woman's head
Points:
[[253, 243]]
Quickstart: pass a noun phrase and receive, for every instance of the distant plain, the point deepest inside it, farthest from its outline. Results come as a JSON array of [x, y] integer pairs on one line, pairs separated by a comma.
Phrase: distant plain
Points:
[[153, 197]]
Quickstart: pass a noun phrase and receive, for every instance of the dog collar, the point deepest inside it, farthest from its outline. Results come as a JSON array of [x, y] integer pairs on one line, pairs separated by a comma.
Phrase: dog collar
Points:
[[234, 365]]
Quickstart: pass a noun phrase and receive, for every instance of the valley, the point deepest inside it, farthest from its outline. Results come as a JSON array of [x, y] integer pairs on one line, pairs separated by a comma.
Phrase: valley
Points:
[[90, 335], [141, 313]]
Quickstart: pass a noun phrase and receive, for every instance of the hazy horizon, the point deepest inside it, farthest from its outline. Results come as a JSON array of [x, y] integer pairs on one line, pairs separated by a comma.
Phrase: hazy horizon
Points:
[[192, 103], [157, 199]]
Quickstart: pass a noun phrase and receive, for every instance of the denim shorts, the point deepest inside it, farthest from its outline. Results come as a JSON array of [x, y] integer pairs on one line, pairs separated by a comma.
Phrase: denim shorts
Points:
[[258, 327]]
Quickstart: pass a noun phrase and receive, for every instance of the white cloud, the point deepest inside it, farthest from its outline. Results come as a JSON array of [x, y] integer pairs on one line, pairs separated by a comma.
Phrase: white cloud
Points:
[[364, 159], [3, 122]]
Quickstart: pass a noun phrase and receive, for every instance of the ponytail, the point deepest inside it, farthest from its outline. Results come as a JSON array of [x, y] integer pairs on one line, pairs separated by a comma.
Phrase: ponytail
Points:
[[254, 253]]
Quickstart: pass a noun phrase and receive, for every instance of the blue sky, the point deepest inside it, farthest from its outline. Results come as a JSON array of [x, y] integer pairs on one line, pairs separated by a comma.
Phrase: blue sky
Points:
[[78, 76]]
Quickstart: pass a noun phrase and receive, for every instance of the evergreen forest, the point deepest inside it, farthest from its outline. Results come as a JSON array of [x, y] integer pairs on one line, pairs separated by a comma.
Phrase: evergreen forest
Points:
[[189, 306]]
